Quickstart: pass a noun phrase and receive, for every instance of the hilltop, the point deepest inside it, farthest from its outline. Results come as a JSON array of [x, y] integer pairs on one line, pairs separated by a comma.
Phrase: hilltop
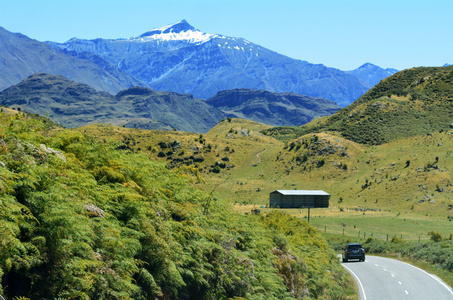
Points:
[[372, 74], [408, 103]]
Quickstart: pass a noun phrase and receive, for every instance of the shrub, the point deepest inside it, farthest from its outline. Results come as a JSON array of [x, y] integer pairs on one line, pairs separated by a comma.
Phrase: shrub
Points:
[[435, 236], [216, 169], [108, 174]]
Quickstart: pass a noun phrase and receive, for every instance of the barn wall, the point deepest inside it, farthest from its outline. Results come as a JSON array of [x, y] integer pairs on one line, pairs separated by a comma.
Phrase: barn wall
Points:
[[322, 201], [275, 200], [298, 201]]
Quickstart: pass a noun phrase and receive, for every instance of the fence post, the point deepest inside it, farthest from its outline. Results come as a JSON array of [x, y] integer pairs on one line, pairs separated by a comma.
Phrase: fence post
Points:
[[358, 234], [364, 234], [387, 237]]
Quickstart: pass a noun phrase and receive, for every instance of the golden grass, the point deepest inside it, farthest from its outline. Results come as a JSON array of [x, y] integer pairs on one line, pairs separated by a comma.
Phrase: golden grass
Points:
[[399, 180]]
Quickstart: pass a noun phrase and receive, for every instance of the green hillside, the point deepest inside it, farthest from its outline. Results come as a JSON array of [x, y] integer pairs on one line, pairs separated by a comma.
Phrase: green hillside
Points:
[[408, 103], [81, 218]]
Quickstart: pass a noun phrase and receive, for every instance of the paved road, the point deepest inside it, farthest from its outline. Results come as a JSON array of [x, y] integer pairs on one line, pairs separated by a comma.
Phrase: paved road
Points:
[[385, 278]]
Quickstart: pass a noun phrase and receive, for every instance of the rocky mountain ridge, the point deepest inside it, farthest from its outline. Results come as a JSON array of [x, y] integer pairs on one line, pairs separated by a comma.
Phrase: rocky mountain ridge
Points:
[[182, 59], [73, 104]]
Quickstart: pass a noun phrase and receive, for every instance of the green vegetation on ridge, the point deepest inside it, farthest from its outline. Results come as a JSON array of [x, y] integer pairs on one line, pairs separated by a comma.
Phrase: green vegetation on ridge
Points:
[[408, 103]]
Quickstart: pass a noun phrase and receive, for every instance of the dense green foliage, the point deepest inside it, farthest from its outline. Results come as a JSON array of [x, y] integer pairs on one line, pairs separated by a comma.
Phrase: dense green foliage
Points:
[[408, 103], [82, 220]]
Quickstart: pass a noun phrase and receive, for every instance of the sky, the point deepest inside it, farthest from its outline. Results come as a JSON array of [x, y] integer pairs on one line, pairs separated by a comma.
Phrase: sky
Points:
[[342, 34]]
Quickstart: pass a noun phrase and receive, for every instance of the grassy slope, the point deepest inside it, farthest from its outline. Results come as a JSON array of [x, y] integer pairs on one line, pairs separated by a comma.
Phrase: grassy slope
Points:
[[398, 173]]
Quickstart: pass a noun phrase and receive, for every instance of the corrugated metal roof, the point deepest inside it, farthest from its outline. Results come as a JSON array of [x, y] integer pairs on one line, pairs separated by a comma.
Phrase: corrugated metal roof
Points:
[[302, 192]]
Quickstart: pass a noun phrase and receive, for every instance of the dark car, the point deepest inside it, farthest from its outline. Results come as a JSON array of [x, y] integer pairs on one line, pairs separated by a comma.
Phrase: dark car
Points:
[[354, 251]]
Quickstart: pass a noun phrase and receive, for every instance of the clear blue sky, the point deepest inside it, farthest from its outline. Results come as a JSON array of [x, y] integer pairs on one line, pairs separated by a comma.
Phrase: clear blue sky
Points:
[[342, 34]]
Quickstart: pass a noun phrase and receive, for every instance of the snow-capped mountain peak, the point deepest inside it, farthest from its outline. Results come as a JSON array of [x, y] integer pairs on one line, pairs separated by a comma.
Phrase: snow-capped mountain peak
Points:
[[181, 31], [182, 59]]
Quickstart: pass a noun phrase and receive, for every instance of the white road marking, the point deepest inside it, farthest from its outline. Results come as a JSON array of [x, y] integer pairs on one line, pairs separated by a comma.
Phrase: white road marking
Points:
[[376, 265], [434, 277], [407, 293], [358, 281], [400, 282], [385, 270]]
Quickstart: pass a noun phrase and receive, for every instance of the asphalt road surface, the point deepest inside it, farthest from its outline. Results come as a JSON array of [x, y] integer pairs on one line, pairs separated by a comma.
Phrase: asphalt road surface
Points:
[[385, 278]]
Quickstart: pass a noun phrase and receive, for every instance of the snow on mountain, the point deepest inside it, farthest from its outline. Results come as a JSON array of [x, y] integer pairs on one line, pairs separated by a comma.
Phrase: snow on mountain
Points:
[[181, 31], [182, 59]]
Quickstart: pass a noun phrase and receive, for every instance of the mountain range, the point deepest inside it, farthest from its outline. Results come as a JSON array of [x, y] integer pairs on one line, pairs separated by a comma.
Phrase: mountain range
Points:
[[73, 104], [183, 59], [21, 57]]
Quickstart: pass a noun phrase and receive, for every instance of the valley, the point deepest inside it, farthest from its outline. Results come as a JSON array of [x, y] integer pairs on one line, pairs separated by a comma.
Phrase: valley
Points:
[[151, 194]]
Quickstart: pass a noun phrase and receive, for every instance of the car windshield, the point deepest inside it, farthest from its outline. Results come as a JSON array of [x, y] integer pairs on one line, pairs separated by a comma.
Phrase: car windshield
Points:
[[354, 247]]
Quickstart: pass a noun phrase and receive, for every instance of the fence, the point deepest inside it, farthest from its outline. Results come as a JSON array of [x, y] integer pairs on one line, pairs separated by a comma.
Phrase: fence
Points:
[[367, 234]]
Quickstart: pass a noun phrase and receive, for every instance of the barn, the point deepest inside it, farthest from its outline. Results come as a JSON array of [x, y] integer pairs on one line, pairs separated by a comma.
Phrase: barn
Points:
[[299, 198]]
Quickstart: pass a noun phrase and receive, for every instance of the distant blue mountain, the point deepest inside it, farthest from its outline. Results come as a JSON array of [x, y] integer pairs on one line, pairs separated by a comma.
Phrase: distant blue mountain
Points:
[[371, 74], [182, 59], [446, 65], [21, 57]]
